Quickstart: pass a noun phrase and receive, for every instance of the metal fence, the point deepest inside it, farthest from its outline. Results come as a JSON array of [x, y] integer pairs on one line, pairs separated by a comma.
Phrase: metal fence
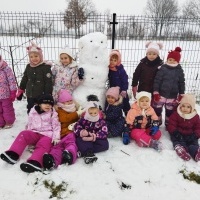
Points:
[[129, 34]]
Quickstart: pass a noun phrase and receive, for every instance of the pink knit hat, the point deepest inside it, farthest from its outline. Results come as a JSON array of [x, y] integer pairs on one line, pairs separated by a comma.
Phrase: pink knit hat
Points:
[[153, 47], [64, 95], [116, 52], [190, 99], [33, 48], [114, 92]]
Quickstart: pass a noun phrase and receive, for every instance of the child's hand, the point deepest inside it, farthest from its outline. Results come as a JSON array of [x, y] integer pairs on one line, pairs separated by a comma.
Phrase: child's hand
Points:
[[13, 95], [80, 111], [123, 94], [80, 73], [156, 97], [91, 137], [55, 141], [19, 94], [84, 133]]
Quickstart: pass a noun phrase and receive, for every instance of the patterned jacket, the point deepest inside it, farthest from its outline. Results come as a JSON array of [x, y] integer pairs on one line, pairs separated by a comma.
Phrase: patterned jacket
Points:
[[46, 123], [7, 80], [37, 80]]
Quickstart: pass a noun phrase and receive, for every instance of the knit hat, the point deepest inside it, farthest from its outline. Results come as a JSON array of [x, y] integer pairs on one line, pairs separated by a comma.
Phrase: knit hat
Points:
[[141, 94], [67, 51], [153, 47], [175, 54], [190, 99], [64, 95], [46, 99], [116, 52], [33, 48], [114, 92]]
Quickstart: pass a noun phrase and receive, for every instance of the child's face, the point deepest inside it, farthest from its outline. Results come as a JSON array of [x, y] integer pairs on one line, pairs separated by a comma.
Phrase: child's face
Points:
[[93, 112], [171, 61], [144, 102], [34, 58], [45, 107], [65, 59], [110, 99], [152, 55], [68, 102], [186, 108], [113, 62]]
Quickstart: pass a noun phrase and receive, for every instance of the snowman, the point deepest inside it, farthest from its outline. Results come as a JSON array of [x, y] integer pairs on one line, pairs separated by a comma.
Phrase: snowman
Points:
[[93, 58]]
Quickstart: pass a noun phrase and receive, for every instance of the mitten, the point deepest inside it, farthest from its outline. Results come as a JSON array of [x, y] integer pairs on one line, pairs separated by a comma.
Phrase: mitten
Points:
[[13, 95], [80, 111], [177, 135], [80, 73], [156, 97], [19, 94], [126, 138], [123, 94], [180, 96], [91, 137], [138, 121], [134, 90], [153, 130], [71, 126], [55, 141], [84, 133]]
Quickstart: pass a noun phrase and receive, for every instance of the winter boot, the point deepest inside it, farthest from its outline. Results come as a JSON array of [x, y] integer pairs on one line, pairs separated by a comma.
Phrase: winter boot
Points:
[[182, 153], [126, 138], [31, 166], [155, 144], [197, 157], [48, 161], [67, 157], [90, 158], [10, 157]]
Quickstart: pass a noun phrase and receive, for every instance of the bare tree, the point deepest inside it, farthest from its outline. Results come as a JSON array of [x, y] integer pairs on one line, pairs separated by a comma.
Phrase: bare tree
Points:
[[77, 14], [161, 12], [191, 9]]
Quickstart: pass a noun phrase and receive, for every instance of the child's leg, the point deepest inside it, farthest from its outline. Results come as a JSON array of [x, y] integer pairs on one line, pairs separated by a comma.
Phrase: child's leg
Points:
[[193, 148], [30, 103], [8, 111], [126, 104], [158, 107], [2, 121], [100, 145], [170, 105]]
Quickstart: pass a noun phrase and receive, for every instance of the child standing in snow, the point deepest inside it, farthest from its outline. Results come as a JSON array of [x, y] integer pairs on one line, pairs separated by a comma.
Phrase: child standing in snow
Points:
[[65, 150], [91, 132], [66, 74], [7, 95], [169, 85], [43, 128], [114, 115], [144, 122], [37, 78], [117, 76], [184, 129], [145, 72]]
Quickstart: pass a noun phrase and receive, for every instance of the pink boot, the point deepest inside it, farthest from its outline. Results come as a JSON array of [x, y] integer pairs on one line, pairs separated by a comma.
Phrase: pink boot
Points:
[[182, 153]]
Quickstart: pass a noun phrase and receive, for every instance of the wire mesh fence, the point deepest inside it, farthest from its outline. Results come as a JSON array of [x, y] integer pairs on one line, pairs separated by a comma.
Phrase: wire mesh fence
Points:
[[52, 31]]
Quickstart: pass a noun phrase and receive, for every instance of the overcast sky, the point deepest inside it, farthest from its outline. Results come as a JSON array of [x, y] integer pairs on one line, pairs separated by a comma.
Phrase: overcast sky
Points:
[[118, 6]]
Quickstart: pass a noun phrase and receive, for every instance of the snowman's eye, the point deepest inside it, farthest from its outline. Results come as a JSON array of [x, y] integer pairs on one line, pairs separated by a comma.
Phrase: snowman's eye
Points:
[[96, 57], [101, 41], [90, 40]]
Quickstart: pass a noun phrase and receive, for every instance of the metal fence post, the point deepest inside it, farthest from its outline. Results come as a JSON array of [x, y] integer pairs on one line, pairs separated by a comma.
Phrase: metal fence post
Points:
[[113, 30]]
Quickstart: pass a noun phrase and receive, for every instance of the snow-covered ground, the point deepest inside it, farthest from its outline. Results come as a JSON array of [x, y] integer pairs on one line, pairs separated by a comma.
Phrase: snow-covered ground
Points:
[[123, 172]]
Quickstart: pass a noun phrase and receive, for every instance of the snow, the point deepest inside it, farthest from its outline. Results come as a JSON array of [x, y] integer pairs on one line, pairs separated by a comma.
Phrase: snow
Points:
[[146, 173]]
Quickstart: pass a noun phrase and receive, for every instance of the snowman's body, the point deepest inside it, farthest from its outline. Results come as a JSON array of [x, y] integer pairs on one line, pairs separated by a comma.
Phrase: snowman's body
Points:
[[93, 58]]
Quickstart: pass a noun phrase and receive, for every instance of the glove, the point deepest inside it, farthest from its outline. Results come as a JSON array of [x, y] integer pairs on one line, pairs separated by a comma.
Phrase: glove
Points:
[[126, 138], [80, 73], [123, 94], [80, 111], [153, 130], [134, 90], [84, 133], [55, 141], [177, 135], [92, 137], [156, 97], [19, 94], [71, 126], [13, 95], [180, 96]]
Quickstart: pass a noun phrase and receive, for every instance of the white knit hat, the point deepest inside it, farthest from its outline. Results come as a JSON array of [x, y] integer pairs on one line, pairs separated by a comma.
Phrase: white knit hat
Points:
[[190, 99], [141, 94], [67, 51], [153, 47]]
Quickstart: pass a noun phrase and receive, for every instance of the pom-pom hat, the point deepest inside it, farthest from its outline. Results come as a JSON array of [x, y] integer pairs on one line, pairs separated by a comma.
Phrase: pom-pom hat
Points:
[[153, 47], [64, 95], [175, 54]]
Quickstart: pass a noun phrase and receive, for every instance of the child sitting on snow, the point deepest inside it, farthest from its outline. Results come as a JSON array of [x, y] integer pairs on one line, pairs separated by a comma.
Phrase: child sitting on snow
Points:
[[184, 129], [144, 122], [91, 132]]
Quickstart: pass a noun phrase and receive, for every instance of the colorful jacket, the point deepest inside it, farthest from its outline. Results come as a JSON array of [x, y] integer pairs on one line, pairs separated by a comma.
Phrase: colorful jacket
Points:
[[187, 124], [99, 127], [145, 73], [141, 119], [46, 123], [37, 80], [66, 119], [169, 81], [65, 77], [118, 78], [7, 80]]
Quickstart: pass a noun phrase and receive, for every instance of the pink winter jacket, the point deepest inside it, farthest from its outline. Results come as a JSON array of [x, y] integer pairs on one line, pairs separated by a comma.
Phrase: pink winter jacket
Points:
[[7, 80], [46, 123]]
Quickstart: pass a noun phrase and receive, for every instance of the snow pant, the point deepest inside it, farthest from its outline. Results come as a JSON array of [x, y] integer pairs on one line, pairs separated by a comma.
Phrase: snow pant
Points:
[[66, 143], [189, 142], [7, 112], [126, 105], [142, 137], [98, 146], [41, 142], [170, 106], [30, 103]]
